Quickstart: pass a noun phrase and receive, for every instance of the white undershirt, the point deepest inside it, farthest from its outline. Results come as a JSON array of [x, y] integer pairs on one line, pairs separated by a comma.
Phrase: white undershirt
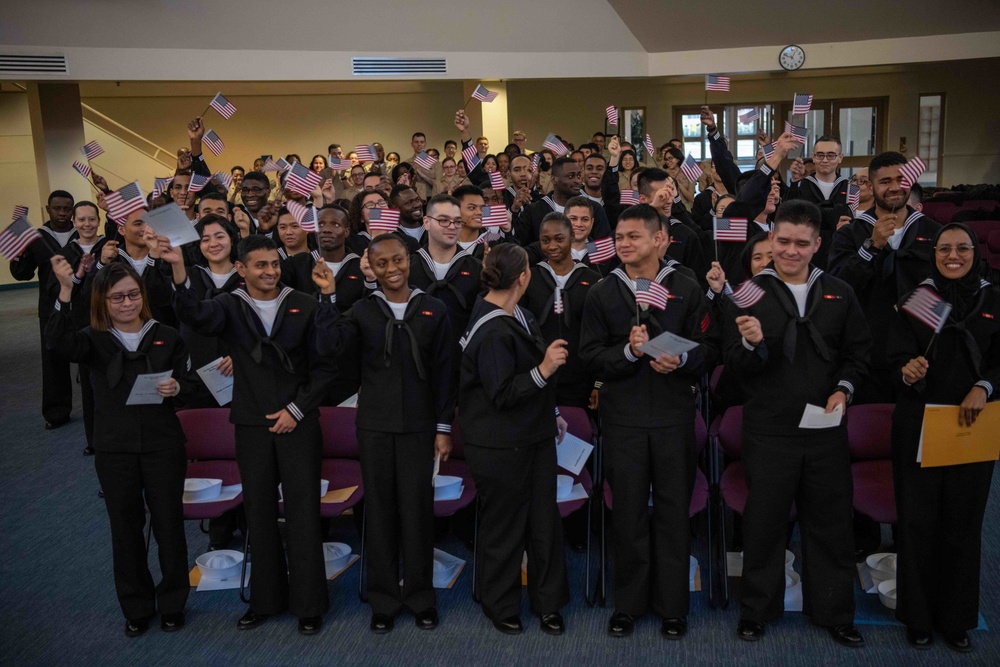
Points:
[[825, 188], [138, 264], [800, 292], [896, 239], [578, 255], [415, 232], [335, 267], [87, 248], [440, 270], [556, 207], [465, 245], [219, 279], [268, 310], [398, 309], [130, 340], [561, 281], [62, 237]]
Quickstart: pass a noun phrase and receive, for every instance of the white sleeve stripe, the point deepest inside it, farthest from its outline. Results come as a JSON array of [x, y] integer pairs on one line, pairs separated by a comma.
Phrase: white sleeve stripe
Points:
[[846, 385], [628, 353], [444, 428], [865, 255], [536, 375], [987, 386]]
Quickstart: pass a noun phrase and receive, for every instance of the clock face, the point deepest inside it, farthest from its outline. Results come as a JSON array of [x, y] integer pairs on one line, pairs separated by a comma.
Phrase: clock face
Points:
[[792, 57]]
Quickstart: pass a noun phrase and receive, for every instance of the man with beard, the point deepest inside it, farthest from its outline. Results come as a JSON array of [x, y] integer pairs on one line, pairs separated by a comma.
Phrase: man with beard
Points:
[[883, 254], [519, 193], [411, 215], [255, 191], [566, 181]]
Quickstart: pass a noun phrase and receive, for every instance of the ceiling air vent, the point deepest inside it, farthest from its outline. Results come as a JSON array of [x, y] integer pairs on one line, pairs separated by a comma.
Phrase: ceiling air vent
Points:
[[398, 66], [21, 65]]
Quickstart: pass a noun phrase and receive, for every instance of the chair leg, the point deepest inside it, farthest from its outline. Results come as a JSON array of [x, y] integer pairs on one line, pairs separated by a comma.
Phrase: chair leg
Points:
[[203, 527], [362, 592], [475, 555], [591, 598], [244, 595], [724, 556]]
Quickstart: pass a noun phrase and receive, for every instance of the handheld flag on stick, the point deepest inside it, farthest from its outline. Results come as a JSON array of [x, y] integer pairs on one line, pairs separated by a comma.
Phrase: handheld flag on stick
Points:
[[612, 113], [127, 199], [92, 150], [214, 143], [925, 305], [747, 294], [494, 216], [717, 83], [16, 238], [601, 250], [160, 185], [749, 116], [302, 179], [691, 169], [800, 133], [911, 172], [366, 153], [483, 94], [424, 160], [270, 165], [496, 180], [629, 198], [83, 169], [553, 143], [198, 183], [383, 220], [20, 211], [651, 293], [304, 215], [648, 143], [853, 196], [801, 104], [471, 157], [222, 105], [225, 179], [729, 229], [339, 163]]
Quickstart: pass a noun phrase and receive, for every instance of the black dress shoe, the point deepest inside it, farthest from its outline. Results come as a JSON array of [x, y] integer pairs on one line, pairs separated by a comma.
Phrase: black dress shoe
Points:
[[674, 628], [56, 423], [847, 635], [958, 641], [172, 622], [919, 639], [310, 625], [552, 624], [621, 625], [381, 624], [136, 627], [251, 619], [88, 451], [509, 626], [427, 619], [100, 493], [749, 631]]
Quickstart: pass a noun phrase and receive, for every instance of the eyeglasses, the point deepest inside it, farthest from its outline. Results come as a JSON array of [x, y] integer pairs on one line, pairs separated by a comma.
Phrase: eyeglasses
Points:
[[963, 250], [447, 222], [379, 204], [860, 181], [134, 295], [825, 157], [254, 190]]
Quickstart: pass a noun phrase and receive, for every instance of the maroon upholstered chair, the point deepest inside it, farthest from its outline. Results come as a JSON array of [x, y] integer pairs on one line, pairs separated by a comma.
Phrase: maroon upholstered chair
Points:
[[940, 211], [980, 204], [869, 432]]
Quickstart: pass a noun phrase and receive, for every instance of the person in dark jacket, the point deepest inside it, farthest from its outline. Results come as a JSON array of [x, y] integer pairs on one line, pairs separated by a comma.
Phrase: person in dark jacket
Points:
[[647, 411], [140, 456], [508, 411], [807, 336], [941, 509], [280, 379], [405, 409], [567, 181], [657, 189]]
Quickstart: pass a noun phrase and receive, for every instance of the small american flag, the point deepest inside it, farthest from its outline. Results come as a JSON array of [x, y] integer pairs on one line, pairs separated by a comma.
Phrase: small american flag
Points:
[[302, 179], [553, 143], [425, 160], [383, 219], [768, 149], [601, 250], [747, 294], [629, 198], [83, 169], [20, 211], [717, 83], [729, 229], [691, 169], [340, 164], [557, 305], [223, 106], [925, 305], [283, 164], [18, 236], [270, 165], [365, 153], [494, 216], [483, 94], [125, 200], [92, 150], [535, 160], [911, 172], [489, 236], [801, 103], [800, 133], [160, 185], [496, 180], [651, 293], [225, 179], [214, 143], [471, 157], [198, 183], [649, 145], [304, 215], [612, 114], [853, 195], [749, 116]]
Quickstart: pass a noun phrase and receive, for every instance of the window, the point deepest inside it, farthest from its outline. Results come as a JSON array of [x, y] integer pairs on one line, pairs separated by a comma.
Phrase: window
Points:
[[929, 143]]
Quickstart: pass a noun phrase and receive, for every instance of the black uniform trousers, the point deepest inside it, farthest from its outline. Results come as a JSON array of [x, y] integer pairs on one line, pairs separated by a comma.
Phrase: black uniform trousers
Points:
[[518, 511], [399, 513], [57, 383], [132, 482], [87, 399], [293, 459], [652, 558], [814, 471], [939, 537]]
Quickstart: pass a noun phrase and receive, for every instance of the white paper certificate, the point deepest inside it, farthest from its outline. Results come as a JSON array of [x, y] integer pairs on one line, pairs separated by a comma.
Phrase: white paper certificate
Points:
[[668, 343], [572, 453], [816, 417], [144, 390], [171, 222], [217, 383]]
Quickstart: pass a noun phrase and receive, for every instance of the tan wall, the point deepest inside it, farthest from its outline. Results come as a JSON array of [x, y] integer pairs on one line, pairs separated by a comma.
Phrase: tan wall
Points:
[[18, 179]]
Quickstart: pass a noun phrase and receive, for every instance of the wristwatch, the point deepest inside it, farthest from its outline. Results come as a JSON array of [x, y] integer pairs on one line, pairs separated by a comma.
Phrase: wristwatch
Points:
[[869, 246]]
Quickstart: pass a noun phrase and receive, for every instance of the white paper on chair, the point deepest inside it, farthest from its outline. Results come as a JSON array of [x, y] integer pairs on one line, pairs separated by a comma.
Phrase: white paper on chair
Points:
[[816, 417], [351, 402], [668, 343], [572, 453], [144, 390], [171, 222], [334, 571], [208, 584], [217, 383], [578, 493], [227, 493]]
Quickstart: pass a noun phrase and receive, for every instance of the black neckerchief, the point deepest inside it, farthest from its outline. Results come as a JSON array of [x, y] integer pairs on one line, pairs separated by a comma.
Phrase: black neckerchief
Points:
[[813, 299]]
